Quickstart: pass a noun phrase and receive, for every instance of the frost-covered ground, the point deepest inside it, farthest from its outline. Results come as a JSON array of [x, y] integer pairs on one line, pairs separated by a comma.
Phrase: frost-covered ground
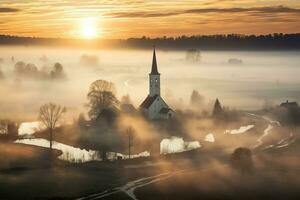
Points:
[[69, 153], [75, 154]]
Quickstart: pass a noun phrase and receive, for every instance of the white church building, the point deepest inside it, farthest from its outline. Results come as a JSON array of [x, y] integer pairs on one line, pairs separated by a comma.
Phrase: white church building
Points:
[[154, 107]]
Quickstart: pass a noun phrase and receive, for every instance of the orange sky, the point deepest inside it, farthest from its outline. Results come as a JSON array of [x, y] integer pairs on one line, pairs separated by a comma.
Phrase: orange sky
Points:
[[135, 18]]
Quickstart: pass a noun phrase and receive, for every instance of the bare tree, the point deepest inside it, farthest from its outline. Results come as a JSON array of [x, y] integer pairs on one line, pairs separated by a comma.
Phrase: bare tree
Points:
[[130, 135], [50, 114], [101, 95]]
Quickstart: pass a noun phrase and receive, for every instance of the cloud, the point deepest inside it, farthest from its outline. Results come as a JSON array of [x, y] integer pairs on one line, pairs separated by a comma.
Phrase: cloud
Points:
[[141, 14], [8, 10], [275, 10], [271, 10]]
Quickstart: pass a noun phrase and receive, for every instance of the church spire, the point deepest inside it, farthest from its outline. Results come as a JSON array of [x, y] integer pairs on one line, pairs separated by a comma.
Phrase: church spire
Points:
[[154, 70]]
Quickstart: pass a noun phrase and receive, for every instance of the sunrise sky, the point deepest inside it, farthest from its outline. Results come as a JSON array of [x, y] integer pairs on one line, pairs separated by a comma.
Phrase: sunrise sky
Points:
[[136, 18]]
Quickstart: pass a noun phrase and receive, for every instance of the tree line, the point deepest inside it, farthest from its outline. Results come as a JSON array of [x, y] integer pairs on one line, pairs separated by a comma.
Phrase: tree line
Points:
[[275, 41]]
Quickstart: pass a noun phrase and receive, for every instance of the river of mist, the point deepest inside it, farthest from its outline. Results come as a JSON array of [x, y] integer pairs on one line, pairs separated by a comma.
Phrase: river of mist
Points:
[[262, 78]]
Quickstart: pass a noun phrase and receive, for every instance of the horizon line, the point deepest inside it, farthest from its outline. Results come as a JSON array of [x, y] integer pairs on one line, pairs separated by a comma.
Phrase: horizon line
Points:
[[147, 37]]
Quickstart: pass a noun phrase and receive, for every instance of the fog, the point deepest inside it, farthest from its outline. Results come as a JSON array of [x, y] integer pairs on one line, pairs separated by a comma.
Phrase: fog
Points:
[[199, 141], [261, 77]]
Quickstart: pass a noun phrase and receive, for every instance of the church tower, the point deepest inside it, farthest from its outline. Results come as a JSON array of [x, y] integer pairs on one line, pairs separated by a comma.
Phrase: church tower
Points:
[[154, 78]]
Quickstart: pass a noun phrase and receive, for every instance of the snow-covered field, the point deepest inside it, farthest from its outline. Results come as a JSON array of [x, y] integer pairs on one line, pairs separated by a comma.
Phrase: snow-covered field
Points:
[[177, 145], [69, 153], [210, 138], [242, 129], [76, 155], [29, 128]]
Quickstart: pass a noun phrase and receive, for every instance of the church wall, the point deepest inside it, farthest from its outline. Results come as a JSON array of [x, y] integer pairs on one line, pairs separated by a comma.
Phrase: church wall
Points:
[[168, 115], [157, 105]]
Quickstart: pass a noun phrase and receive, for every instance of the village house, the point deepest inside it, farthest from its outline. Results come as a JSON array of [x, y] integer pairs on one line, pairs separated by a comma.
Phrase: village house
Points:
[[289, 105]]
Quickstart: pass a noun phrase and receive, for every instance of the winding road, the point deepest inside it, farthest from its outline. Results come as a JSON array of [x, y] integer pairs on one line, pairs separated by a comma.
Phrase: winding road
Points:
[[271, 125]]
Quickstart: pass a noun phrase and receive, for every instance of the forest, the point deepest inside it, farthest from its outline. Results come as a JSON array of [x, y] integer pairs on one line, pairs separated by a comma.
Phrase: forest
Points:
[[275, 41]]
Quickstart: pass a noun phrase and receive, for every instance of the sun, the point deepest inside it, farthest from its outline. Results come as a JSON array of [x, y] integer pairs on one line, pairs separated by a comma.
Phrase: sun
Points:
[[89, 28]]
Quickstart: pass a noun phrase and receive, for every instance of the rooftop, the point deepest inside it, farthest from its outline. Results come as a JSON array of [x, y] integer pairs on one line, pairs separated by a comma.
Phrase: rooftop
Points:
[[289, 104], [148, 101]]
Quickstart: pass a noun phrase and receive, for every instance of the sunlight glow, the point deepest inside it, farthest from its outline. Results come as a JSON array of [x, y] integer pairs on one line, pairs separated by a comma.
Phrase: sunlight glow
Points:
[[89, 28]]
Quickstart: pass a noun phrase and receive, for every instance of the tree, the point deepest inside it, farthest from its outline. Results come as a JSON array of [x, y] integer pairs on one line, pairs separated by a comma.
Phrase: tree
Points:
[[196, 99], [26, 70], [130, 135], [8, 130], [57, 72], [193, 55], [101, 96], [241, 160], [50, 114], [81, 122], [218, 110]]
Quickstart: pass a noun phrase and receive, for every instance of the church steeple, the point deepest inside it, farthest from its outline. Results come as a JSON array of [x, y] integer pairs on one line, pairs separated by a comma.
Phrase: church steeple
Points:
[[154, 70], [154, 78]]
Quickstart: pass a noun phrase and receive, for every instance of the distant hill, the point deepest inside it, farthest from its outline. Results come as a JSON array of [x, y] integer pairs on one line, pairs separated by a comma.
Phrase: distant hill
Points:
[[276, 41]]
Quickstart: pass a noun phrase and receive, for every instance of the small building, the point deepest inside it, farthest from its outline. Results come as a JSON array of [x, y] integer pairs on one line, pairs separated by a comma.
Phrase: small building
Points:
[[289, 105], [154, 107]]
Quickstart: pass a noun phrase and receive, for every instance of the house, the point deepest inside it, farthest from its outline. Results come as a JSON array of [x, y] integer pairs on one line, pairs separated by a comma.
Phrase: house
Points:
[[289, 105], [154, 107]]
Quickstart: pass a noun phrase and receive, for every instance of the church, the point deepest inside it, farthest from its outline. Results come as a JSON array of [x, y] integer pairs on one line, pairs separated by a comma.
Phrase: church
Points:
[[154, 107]]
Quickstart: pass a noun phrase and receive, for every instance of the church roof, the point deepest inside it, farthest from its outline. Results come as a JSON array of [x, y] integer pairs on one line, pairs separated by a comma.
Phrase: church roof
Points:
[[154, 70], [148, 101]]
